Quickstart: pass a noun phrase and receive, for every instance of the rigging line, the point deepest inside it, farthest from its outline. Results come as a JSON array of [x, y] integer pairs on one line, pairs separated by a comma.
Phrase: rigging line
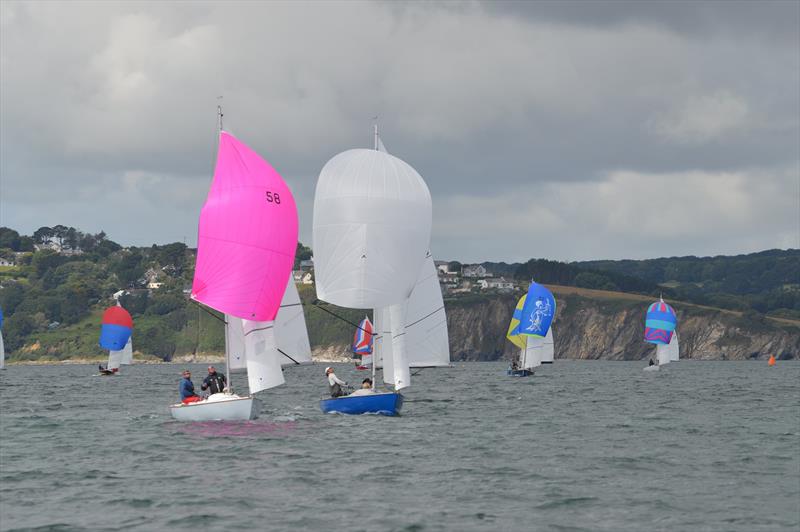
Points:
[[208, 311], [317, 305], [425, 317], [268, 327], [287, 356], [291, 305]]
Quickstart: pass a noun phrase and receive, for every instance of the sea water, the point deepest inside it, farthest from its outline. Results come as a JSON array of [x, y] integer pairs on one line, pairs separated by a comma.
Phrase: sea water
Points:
[[579, 446]]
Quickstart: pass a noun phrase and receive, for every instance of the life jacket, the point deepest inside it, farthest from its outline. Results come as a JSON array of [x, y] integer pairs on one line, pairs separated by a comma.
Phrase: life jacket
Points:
[[215, 383]]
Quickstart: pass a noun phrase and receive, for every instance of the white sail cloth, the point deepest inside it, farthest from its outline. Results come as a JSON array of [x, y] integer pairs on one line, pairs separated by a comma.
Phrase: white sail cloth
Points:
[[663, 354], [427, 341], [371, 229], [548, 347], [2, 352], [291, 334], [532, 354], [263, 360]]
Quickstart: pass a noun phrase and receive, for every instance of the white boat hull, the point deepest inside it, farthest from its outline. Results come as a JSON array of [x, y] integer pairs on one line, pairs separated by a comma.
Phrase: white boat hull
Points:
[[652, 368], [218, 407]]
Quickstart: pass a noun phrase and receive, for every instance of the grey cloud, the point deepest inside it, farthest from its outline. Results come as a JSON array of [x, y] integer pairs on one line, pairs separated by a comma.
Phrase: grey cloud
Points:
[[484, 100]]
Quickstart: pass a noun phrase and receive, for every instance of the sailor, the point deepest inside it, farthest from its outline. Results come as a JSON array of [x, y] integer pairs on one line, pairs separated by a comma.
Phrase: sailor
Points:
[[651, 363], [214, 382], [187, 389], [334, 383], [366, 388]]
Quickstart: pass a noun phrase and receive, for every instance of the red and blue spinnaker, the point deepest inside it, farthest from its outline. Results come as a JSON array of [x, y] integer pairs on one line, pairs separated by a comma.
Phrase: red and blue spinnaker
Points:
[[363, 337], [115, 329]]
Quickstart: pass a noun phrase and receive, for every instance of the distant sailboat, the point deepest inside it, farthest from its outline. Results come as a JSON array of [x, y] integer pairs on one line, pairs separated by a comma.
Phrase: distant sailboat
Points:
[[660, 323], [372, 225], [530, 330], [247, 238], [362, 344], [115, 335]]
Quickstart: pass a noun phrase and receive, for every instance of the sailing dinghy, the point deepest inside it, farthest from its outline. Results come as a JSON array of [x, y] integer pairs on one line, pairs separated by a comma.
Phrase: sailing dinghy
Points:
[[247, 237], [660, 324], [371, 231], [530, 331], [115, 335]]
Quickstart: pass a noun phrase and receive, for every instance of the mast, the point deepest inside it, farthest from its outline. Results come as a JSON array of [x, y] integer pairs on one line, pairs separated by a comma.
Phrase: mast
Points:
[[374, 354], [227, 319]]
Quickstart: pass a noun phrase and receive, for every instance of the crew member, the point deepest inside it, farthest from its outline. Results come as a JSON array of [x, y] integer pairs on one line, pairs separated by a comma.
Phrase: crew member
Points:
[[214, 382], [187, 389], [335, 383]]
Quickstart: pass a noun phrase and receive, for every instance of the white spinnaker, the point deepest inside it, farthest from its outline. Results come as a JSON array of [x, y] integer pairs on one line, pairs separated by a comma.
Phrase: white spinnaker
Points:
[[548, 347], [427, 342], [291, 333], [127, 352], [263, 360], [662, 353], [234, 335], [674, 348], [532, 355], [371, 229], [400, 368], [114, 359], [2, 352]]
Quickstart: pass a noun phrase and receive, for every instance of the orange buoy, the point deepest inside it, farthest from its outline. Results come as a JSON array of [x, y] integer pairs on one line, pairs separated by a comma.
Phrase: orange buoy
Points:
[[771, 360]]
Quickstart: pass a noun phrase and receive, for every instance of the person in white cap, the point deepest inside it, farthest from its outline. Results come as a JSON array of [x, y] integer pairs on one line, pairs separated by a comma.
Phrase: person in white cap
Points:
[[335, 383]]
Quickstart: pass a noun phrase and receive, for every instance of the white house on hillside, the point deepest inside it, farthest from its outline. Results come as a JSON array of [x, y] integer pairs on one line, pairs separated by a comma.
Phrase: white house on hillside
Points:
[[497, 284], [475, 270]]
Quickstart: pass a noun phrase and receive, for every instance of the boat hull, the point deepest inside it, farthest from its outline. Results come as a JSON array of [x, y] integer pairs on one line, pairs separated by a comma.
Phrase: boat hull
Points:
[[387, 404], [230, 408], [519, 372], [652, 368]]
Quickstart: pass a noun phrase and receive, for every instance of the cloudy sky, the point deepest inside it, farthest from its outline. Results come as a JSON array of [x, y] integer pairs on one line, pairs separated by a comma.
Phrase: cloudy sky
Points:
[[564, 130]]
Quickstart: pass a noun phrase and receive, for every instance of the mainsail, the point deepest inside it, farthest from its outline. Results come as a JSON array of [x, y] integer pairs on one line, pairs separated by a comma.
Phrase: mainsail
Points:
[[247, 238], [427, 340], [371, 234]]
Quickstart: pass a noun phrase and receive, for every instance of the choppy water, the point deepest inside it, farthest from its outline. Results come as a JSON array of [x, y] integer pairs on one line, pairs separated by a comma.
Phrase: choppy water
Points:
[[580, 446]]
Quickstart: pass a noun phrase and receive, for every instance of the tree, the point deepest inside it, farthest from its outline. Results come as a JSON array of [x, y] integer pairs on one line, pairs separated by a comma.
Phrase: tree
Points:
[[9, 239], [43, 235], [454, 267]]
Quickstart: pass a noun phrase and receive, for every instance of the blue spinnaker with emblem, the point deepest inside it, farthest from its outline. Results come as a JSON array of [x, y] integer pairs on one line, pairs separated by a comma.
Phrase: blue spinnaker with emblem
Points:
[[538, 311]]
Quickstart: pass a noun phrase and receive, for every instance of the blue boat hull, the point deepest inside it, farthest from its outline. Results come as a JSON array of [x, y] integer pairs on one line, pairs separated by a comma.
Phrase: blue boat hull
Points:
[[387, 404], [519, 372]]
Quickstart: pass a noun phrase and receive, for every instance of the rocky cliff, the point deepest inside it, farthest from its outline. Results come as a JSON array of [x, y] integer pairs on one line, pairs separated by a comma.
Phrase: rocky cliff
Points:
[[593, 324]]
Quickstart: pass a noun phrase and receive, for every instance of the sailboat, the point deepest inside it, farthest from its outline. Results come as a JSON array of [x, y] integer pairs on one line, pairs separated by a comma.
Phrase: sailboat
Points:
[[371, 232], [530, 330], [247, 237], [660, 324], [362, 344], [115, 335]]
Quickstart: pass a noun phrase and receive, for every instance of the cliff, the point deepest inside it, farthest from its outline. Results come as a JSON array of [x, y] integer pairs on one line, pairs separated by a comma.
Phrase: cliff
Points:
[[596, 324]]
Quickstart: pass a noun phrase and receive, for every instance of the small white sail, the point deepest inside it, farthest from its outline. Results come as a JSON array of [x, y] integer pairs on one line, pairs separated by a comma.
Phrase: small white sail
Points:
[[2, 352], [114, 359], [427, 342], [662, 354], [674, 348], [387, 346], [400, 368], [263, 360], [234, 343], [532, 355], [548, 347], [290, 329], [127, 352]]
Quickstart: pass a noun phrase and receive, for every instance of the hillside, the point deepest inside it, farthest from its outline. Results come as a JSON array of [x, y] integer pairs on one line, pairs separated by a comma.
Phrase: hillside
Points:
[[60, 280]]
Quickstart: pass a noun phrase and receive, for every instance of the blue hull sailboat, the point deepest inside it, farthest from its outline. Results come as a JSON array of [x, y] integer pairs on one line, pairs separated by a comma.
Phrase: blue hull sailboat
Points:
[[386, 404]]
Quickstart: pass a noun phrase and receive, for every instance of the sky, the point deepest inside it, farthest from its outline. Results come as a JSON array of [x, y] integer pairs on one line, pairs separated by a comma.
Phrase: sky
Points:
[[560, 130]]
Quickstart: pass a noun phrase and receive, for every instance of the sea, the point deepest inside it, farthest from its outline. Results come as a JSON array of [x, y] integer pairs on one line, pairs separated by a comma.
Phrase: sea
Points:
[[579, 446]]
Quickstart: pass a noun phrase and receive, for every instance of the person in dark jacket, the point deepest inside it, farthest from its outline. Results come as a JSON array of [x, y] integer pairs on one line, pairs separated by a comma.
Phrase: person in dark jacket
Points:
[[186, 388], [214, 382]]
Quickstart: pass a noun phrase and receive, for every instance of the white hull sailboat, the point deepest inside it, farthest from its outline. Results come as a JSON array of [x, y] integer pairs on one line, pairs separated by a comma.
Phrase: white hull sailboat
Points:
[[247, 238]]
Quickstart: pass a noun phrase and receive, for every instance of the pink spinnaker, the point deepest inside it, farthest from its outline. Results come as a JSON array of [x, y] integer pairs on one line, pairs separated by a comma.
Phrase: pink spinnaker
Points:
[[247, 236]]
